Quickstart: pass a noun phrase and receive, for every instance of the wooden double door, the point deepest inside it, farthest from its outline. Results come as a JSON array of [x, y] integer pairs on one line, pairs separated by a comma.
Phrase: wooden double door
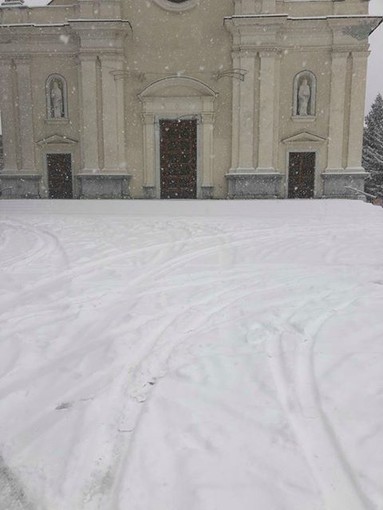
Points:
[[60, 180], [301, 175], [178, 158]]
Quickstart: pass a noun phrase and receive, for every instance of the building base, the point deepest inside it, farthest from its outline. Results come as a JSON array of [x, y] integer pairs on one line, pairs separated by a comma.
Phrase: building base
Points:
[[20, 185], [207, 192], [94, 186], [338, 184], [256, 185]]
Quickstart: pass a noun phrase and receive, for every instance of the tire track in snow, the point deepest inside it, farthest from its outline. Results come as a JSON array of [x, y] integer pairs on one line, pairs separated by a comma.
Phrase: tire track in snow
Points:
[[134, 399], [95, 329], [301, 401], [156, 361], [47, 243], [12, 495], [46, 284]]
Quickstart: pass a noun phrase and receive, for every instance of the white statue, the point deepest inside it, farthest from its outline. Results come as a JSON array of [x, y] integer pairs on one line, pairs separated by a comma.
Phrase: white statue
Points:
[[56, 101], [304, 94]]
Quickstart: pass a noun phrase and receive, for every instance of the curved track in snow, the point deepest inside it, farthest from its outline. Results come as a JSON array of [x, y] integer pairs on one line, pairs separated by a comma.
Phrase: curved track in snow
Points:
[[155, 362]]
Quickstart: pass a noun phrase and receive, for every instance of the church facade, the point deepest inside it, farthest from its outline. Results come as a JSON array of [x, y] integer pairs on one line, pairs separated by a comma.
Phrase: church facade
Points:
[[183, 98]]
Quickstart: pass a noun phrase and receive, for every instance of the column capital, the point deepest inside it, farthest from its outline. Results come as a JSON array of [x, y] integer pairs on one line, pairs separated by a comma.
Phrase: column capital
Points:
[[244, 52], [269, 52], [362, 55], [111, 57], [118, 74], [87, 57], [148, 118], [208, 118], [340, 53]]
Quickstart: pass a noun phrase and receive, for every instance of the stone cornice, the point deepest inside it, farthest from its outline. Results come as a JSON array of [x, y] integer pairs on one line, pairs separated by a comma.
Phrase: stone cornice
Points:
[[358, 28], [106, 23], [78, 24], [254, 31], [239, 22]]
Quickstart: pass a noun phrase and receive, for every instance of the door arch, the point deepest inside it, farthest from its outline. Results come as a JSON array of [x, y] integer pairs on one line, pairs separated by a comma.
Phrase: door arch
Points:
[[178, 98]]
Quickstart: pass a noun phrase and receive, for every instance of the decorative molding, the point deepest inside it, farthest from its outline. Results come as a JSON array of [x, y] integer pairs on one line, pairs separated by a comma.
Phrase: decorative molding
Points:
[[178, 97], [361, 31], [310, 98], [180, 6], [306, 118], [304, 137], [156, 88], [236, 73], [56, 97], [56, 139]]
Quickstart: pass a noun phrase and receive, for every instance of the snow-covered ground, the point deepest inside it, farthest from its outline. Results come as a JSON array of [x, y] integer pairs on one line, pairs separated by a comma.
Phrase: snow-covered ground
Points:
[[191, 355]]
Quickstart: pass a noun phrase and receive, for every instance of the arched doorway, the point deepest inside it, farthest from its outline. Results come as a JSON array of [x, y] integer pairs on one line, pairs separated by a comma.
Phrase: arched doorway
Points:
[[178, 118]]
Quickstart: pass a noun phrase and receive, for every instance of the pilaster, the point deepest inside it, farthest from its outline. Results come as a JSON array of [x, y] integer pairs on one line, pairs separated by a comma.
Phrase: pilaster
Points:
[[113, 111], [16, 115], [148, 120], [236, 112], [90, 123], [207, 120], [120, 120], [358, 91], [25, 120], [7, 107], [245, 113], [266, 122], [336, 114], [255, 120]]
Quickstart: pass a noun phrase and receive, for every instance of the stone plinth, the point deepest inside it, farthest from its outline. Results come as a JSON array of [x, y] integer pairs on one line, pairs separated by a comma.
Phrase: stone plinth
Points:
[[335, 184], [103, 186], [20, 185], [254, 185]]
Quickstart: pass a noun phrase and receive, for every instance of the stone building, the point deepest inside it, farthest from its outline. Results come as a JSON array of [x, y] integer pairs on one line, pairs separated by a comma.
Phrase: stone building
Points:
[[183, 98]]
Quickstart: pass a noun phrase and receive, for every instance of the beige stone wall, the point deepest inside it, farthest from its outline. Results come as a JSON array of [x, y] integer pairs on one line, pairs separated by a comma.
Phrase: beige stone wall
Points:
[[44, 127], [322, 8], [192, 43], [234, 74]]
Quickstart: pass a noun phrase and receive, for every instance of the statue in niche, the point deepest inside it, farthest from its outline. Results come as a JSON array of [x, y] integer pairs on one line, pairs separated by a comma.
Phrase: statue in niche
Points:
[[57, 101], [304, 93]]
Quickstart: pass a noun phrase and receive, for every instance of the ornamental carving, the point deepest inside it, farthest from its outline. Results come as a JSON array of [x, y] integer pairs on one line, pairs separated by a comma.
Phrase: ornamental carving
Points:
[[304, 100], [56, 97], [177, 5]]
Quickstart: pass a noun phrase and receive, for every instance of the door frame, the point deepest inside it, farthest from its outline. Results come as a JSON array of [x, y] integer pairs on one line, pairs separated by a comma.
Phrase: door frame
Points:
[[315, 151], [55, 152], [172, 98], [157, 135]]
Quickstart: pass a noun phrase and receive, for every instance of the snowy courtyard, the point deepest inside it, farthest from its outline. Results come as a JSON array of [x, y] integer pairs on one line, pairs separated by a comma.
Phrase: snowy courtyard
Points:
[[191, 355]]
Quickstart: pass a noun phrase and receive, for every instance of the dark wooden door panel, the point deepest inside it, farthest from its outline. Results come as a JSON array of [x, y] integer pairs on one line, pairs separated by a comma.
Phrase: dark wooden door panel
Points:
[[60, 184], [301, 174], [178, 158]]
